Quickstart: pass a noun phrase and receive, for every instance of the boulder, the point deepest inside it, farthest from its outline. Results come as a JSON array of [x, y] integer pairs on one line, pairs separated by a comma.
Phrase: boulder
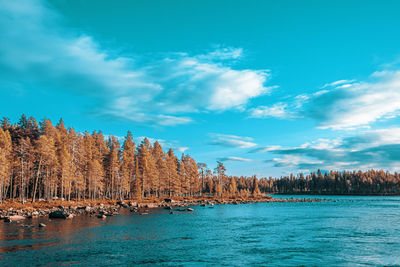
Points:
[[14, 218], [190, 209], [42, 225], [132, 204], [58, 214], [151, 205]]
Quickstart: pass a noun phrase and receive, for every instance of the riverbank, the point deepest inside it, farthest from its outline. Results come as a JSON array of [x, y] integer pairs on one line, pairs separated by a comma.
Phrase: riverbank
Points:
[[16, 211]]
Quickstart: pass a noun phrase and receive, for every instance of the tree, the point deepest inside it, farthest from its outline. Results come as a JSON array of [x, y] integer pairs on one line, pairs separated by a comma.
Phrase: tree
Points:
[[147, 168], [45, 154], [173, 183], [112, 167], [5, 161], [161, 168], [220, 171], [232, 187], [128, 170], [256, 191], [202, 169]]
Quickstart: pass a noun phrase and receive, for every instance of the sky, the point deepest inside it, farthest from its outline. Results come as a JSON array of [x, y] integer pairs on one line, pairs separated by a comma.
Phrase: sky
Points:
[[266, 87]]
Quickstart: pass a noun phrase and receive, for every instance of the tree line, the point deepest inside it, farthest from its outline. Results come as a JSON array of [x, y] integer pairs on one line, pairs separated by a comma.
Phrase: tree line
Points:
[[370, 182], [43, 161]]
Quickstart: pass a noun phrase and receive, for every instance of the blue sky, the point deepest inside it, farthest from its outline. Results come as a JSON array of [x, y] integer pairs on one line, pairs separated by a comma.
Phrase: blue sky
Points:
[[268, 87]]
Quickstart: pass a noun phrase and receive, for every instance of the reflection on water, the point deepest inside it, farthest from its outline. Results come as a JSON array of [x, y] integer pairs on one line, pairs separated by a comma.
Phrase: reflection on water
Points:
[[350, 231]]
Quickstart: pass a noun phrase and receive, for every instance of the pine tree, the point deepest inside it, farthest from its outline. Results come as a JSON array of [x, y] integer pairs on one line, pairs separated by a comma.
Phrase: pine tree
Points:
[[161, 181], [232, 187], [5, 161], [147, 168], [128, 170], [112, 167], [256, 191], [220, 171], [173, 182]]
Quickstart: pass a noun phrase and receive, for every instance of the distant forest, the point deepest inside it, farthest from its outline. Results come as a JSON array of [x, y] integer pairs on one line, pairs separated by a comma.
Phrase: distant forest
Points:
[[43, 161]]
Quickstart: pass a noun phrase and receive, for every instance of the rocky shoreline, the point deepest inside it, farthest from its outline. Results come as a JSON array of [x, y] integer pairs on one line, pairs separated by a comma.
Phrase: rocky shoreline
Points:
[[103, 211]]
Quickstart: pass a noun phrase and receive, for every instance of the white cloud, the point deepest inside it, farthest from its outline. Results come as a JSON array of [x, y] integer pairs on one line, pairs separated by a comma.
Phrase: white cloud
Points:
[[36, 50], [235, 159], [338, 83], [278, 110], [344, 104], [368, 149], [358, 104], [232, 141]]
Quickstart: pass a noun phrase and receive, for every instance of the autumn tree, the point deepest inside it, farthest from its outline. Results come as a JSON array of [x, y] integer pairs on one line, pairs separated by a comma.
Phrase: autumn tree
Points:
[[128, 170], [5, 161]]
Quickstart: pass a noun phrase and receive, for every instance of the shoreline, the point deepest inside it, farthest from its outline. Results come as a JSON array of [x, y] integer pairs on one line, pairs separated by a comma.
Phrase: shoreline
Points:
[[17, 212]]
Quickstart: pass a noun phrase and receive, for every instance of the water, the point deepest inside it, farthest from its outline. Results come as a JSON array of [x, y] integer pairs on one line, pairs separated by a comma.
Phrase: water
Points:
[[348, 232]]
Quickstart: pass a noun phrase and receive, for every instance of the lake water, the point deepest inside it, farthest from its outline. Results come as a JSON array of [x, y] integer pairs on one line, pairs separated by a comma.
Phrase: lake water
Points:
[[349, 231]]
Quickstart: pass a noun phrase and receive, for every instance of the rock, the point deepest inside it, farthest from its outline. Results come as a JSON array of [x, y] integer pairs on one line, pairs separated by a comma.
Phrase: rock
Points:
[[70, 216], [203, 205], [132, 204], [101, 216], [190, 209], [35, 214], [58, 214], [88, 208], [171, 212], [168, 208], [14, 218], [151, 205], [124, 205], [42, 225]]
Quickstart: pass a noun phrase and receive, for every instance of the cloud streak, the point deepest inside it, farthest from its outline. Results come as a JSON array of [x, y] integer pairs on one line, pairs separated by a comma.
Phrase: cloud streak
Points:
[[343, 104], [240, 159], [368, 149], [232, 141], [159, 91]]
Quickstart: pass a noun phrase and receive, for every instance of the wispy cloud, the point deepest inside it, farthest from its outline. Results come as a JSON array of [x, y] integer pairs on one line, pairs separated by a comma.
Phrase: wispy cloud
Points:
[[343, 104], [368, 149], [278, 110], [338, 83], [232, 141], [235, 159], [357, 104], [37, 50]]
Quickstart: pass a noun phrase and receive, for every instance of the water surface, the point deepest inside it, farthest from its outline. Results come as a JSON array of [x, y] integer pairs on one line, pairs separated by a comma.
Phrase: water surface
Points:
[[348, 231]]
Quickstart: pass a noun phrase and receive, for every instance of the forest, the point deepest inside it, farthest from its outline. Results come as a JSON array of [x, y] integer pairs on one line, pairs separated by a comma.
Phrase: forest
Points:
[[47, 162]]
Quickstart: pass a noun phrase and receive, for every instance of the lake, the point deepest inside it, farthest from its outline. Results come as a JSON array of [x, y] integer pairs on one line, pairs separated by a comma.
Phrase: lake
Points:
[[348, 231]]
